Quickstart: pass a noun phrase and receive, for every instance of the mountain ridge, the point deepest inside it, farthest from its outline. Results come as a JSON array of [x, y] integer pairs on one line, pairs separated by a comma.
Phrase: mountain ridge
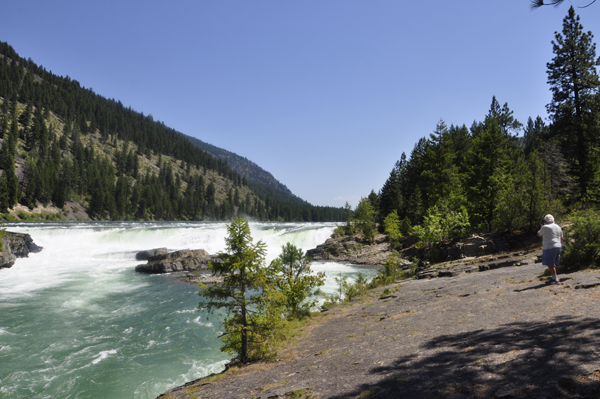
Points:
[[246, 168]]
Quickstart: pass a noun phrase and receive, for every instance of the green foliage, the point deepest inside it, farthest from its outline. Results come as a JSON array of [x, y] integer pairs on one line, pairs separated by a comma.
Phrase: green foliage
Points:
[[582, 241], [8, 217], [486, 177], [364, 219], [574, 109], [341, 282], [359, 287], [392, 228], [339, 231], [3, 234], [406, 227], [253, 305], [294, 278], [392, 272], [439, 226]]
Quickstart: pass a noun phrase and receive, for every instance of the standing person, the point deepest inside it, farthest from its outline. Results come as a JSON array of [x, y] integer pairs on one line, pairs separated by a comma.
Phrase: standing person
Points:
[[552, 238]]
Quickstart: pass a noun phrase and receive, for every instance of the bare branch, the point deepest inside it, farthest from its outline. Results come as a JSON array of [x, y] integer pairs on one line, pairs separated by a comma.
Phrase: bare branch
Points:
[[535, 4]]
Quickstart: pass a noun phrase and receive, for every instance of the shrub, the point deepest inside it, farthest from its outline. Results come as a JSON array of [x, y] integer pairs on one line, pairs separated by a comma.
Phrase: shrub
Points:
[[293, 276], [392, 272], [438, 226], [582, 241], [358, 288]]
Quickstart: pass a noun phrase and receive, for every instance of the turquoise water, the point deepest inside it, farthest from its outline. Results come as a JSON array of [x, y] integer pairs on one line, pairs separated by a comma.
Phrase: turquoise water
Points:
[[76, 321]]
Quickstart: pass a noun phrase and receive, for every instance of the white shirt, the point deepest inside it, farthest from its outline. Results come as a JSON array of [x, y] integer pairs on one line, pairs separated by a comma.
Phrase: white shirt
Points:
[[551, 236]]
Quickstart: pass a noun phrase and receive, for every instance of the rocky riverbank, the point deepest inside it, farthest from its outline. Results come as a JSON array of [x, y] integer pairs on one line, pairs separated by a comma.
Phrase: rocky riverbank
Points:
[[483, 324], [16, 245], [469, 254], [501, 333]]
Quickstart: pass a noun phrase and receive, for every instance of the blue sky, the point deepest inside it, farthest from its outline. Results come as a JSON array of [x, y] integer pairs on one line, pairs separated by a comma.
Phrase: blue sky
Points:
[[325, 95]]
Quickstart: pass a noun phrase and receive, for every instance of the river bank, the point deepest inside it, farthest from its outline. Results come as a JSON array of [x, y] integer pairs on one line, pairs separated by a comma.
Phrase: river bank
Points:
[[483, 324], [72, 211], [502, 333]]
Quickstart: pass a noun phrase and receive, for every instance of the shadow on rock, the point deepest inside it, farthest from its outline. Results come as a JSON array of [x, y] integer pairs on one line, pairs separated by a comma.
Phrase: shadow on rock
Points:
[[555, 359]]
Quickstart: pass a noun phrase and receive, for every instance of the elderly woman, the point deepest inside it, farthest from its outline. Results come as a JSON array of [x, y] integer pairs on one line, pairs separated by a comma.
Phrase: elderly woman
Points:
[[552, 238]]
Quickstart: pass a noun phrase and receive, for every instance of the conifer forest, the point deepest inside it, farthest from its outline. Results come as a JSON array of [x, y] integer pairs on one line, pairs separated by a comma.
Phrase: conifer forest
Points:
[[63, 143]]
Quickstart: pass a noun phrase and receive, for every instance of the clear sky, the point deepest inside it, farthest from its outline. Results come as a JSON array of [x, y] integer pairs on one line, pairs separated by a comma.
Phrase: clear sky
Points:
[[325, 95]]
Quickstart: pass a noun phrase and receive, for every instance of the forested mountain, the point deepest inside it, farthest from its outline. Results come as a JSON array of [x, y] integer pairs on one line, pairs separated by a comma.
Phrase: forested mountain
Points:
[[62, 142], [255, 175]]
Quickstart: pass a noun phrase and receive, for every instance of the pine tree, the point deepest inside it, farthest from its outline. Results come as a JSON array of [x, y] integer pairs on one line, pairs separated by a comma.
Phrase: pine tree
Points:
[[440, 179], [247, 294], [575, 108], [488, 160]]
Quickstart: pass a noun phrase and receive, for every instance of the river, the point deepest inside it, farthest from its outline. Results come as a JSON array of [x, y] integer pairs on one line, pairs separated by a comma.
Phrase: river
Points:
[[76, 320]]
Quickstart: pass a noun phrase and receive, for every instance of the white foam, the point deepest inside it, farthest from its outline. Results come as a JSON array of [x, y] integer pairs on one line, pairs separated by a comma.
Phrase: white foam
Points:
[[103, 355]]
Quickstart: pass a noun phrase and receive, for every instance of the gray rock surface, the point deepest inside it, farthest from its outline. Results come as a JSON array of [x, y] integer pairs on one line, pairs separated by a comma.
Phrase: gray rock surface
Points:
[[145, 255], [16, 245], [178, 261], [500, 333], [352, 249]]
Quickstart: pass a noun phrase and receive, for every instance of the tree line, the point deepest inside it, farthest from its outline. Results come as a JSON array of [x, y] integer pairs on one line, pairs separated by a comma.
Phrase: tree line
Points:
[[71, 144], [488, 177]]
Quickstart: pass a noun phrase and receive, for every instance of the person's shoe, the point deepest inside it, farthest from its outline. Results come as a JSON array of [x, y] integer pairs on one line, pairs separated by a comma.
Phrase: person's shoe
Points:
[[554, 282]]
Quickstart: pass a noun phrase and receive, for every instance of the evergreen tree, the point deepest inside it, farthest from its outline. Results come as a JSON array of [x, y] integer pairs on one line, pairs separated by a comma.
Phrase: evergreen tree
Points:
[[440, 178], [487, 174], [535, 134], [390, 195], [247, 294], [575, 108], [504, 116], [364, 219]]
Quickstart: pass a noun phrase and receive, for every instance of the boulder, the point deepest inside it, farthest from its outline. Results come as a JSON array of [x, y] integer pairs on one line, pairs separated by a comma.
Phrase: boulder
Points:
[[178, 261], [7, 259], [16, 245], [145, 255], [475, 245]]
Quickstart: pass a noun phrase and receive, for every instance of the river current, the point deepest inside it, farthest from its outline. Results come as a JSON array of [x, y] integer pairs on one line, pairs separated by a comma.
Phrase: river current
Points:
[[76, 320]]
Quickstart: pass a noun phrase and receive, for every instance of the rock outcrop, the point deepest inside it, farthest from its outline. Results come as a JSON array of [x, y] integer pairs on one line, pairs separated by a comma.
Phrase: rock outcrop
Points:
[[16, 245], [353, 249], [178, 261], [145, 255]]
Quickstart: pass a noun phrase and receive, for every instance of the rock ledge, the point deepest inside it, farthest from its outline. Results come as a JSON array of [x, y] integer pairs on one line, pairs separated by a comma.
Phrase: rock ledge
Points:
[[16, 245]]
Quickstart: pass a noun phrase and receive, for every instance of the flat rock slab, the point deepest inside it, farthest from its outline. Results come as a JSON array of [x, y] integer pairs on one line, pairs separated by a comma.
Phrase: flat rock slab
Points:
[[501, 333]]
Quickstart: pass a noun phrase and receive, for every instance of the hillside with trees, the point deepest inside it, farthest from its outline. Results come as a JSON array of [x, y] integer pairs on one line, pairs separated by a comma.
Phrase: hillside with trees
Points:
[[63, 143], [256, 176], [488, 177]]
